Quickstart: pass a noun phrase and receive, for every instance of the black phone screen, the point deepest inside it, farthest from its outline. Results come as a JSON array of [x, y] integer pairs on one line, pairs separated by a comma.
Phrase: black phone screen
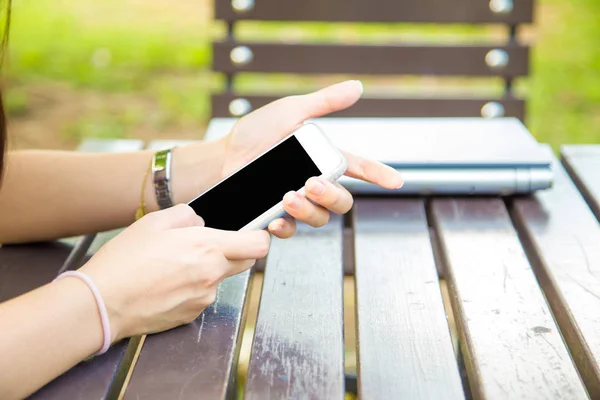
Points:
[[257, 187]]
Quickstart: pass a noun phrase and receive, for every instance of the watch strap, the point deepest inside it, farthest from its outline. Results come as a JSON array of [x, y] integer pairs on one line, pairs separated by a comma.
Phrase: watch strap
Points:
[[161, 177]]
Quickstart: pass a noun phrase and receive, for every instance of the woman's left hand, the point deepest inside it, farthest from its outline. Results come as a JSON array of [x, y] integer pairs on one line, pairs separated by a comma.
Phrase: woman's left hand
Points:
[[261, 129]]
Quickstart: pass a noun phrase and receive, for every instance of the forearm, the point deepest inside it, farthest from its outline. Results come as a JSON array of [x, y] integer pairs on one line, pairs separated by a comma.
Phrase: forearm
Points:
[[45, 333], [49, 194]]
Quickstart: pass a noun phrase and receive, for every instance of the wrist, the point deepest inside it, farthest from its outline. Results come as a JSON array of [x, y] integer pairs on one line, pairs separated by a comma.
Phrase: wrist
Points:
[[113, 299], [84, 310], [195, 168]]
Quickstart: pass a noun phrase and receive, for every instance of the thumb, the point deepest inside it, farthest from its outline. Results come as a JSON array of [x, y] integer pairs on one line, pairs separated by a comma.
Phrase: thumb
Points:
[[327, 100], [179, 216], [284, 115]]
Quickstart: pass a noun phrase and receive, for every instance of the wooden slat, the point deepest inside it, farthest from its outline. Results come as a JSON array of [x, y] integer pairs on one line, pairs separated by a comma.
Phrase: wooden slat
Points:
[[101, 377], [27, 267], [195, 361], [405, 350], [370, 60], [389, 107], [563, 241], [456, 11], [91, 379], [510, 342], [298, 349], [583, 163]]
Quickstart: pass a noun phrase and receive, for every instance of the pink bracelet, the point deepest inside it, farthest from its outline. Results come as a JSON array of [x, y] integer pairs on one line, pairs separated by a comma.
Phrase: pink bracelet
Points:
[[99, 302]]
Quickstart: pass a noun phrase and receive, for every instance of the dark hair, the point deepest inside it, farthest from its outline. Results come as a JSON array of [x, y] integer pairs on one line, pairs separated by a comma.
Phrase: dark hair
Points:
[[3, 133], [2, 137]]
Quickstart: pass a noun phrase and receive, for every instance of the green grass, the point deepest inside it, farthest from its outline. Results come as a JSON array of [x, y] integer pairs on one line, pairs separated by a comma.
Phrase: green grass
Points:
[[158, 52], [17, 103], [565, 85], [61, 41]]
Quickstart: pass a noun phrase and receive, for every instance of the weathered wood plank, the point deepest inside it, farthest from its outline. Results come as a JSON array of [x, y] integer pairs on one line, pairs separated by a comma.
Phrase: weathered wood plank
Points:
[[563, 241], [371, 107], [195, 361], [399, 59], [582, 162], [405, 349], [26, 267], [91, 379], [298, 349], [510, 342], [456, 11]]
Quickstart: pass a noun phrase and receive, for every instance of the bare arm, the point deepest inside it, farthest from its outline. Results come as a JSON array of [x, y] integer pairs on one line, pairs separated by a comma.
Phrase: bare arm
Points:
[[52, 194], [47, 332]]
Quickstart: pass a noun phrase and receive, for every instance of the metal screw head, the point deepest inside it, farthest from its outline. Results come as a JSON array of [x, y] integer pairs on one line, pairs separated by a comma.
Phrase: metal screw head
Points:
[[239, 107], [241, 55], [497, 58], [501, 6], [242, 5], [493, 109]]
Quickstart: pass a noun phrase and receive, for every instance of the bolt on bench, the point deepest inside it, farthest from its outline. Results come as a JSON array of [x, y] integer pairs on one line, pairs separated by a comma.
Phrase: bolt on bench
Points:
[[490, 55]]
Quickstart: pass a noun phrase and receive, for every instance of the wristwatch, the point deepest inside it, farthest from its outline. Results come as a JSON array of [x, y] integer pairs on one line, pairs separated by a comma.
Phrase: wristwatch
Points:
[[161, 176]]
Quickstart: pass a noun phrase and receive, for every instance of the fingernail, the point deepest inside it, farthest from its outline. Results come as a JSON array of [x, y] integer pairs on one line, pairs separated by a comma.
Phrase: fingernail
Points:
[[293, 200], [362, 88], [277, 226], [398, 181], [316, 187]]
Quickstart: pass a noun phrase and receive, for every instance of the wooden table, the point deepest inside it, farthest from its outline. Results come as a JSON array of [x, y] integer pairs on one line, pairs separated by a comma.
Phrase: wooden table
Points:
[[524, 282]]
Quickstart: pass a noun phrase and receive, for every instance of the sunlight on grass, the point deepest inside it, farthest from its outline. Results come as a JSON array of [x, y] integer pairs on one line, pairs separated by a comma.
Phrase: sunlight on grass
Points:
[[365, 33], [16, 103], [91, 46], [157, 54], [97, 128], [565, 85]]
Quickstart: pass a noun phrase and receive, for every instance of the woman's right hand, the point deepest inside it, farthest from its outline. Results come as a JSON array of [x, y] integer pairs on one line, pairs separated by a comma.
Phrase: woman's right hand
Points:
[[163, 270]]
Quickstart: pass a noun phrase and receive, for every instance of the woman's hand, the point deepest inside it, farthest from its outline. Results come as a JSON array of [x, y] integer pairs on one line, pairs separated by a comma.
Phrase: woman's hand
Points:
[[163, 271], [261, 129]]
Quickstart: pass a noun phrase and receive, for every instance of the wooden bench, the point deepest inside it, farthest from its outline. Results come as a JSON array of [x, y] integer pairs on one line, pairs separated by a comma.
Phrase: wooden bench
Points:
[[496, 57], [523, 276]]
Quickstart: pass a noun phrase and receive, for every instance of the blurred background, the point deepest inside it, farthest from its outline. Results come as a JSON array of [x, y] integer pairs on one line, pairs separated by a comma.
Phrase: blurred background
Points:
[[141, 68]]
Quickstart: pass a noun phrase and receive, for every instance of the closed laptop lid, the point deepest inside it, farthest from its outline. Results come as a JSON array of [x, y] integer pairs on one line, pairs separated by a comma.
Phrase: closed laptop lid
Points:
[[438, 142]]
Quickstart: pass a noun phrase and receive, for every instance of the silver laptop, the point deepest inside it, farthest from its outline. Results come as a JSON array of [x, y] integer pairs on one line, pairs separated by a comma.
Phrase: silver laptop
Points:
[[439, 155]]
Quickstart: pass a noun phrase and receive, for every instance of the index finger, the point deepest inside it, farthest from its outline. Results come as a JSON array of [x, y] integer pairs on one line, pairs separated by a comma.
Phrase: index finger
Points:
[[235, 245], [286, 114], [372, 172]]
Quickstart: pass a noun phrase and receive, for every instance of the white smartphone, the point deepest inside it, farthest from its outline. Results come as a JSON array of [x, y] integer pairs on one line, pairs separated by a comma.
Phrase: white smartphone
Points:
[[252, 197]]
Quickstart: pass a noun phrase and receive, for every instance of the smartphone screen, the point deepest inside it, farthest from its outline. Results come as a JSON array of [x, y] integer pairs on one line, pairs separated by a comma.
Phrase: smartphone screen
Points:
[[257, 187]]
